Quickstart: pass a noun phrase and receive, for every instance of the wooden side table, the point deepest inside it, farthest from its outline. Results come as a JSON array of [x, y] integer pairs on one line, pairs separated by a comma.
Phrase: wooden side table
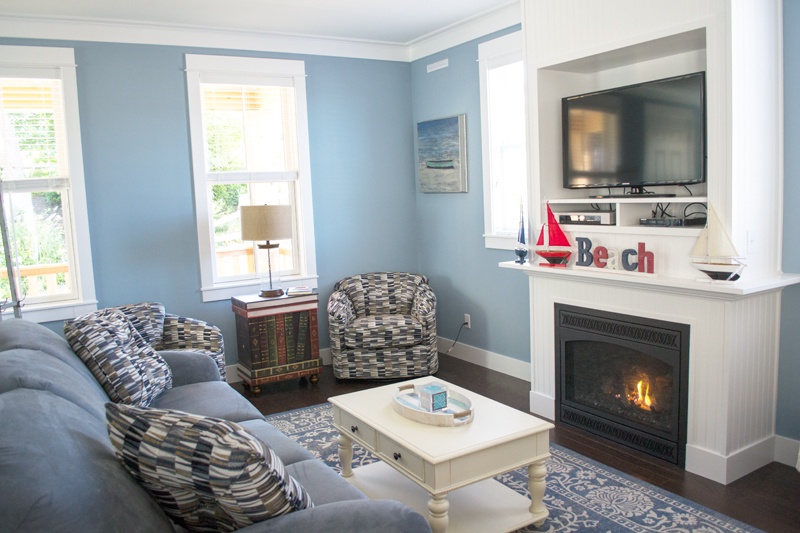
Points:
[[277, 338]]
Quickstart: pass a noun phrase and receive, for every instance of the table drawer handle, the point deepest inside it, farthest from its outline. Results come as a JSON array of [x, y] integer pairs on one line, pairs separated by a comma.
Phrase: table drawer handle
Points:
[[353, 428], [396, 456]]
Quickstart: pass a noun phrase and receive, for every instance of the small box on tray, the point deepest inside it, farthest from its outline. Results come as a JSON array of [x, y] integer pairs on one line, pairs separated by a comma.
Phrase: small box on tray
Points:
[[432, 396]]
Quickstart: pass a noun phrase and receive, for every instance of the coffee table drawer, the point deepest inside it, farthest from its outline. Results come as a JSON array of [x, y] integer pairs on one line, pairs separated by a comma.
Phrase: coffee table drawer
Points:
[[358, 429], [391, 452]]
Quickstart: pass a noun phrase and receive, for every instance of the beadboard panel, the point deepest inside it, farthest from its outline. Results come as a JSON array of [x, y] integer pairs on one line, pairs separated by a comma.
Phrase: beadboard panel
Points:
[[732, 361]]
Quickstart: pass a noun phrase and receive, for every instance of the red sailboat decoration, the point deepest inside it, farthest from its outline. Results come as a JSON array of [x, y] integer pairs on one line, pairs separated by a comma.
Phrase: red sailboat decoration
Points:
[[553, 244]]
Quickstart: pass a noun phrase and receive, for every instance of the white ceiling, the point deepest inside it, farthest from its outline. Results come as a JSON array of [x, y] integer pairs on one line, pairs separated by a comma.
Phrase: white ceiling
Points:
[[400, 22]]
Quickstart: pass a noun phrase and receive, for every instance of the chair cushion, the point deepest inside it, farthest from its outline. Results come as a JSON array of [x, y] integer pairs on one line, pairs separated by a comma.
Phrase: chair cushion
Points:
[[129, 370], [208, 474], [147, 318], [381, 331]]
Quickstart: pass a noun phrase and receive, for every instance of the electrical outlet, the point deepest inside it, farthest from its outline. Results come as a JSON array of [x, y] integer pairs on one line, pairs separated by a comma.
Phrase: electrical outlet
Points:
[[467, 321]]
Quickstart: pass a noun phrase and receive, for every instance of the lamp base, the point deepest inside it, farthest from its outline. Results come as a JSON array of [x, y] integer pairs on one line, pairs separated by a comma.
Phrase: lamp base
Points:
[[270, 293]]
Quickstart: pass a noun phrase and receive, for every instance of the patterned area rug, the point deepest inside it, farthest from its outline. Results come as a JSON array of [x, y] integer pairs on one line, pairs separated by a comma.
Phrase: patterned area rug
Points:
[[581, 494]]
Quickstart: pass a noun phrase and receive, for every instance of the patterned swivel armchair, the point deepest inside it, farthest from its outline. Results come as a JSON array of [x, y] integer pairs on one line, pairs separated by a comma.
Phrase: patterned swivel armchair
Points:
[[164, 331], [383, 325]]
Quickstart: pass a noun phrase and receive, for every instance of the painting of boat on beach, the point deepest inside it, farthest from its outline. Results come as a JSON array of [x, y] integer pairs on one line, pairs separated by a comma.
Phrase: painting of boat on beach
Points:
[[442, 155]]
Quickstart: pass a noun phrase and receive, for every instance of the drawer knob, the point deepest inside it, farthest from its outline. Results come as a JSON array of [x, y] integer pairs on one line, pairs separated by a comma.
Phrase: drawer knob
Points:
[[353, 428], [397, 456]]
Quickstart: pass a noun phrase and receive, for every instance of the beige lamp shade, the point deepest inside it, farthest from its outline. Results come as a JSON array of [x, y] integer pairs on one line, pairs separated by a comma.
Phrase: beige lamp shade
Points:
[[266, 222]]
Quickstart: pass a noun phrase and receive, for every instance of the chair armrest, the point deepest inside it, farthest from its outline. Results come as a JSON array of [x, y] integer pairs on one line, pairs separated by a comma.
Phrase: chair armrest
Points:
[[424, 305], [340, 309], [190, 367], [182, 332]]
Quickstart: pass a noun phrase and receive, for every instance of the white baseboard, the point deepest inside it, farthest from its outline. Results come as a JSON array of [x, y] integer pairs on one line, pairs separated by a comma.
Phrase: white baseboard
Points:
[[787, 451], [543, 406], [232, 374], [492, 361], [728, 469]]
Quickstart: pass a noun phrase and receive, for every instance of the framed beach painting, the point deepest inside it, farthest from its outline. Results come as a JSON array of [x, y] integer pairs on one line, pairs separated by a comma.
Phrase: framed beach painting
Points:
[[442, 155]]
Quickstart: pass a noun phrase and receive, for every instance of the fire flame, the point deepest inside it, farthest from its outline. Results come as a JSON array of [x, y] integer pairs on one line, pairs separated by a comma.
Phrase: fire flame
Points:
[[643, 401]]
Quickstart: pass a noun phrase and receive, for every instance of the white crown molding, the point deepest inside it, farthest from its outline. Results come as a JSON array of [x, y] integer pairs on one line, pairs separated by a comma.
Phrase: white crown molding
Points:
[[173, 35], [465, 31], [177, 35]]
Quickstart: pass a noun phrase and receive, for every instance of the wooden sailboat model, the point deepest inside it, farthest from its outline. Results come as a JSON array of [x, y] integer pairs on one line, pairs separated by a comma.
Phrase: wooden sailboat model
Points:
[[714, 254], [553, 244]]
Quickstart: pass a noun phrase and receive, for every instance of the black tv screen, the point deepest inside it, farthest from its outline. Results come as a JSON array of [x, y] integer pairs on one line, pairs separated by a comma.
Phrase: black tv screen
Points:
[[636, 136]]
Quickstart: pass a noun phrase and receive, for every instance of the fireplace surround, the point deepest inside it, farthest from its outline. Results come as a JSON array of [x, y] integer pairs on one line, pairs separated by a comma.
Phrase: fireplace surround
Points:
[[624, 378]]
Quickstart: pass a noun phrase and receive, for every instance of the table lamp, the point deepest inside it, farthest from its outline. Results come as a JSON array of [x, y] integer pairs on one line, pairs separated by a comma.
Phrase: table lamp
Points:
[[267, 223]]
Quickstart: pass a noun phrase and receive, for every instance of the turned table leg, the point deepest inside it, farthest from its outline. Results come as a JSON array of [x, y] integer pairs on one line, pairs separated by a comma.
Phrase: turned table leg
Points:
[[537, 472], [346, 454], [438, 506]]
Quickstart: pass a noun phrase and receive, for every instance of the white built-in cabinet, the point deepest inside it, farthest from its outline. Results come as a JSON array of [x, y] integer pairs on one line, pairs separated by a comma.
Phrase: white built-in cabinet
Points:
[[577, 46]]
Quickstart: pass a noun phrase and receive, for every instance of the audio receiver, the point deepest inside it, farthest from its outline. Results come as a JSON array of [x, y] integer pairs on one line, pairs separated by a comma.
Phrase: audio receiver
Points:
[[605, 218]]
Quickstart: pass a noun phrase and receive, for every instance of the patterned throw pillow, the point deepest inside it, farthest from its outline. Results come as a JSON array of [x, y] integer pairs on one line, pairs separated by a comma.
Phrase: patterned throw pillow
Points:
[[129, 370], [207, 474]]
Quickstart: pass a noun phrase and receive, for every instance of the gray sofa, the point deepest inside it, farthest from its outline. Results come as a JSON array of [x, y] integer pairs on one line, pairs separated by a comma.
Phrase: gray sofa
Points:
[[59, 472]]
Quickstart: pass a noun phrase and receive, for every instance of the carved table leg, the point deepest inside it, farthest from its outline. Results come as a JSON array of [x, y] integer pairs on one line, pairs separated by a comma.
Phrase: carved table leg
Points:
[[346, 454], [314, 378], [536, 486], [437, 513]]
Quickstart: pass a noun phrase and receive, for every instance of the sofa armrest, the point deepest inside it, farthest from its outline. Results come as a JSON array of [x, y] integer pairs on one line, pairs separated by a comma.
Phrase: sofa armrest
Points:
[[190, 367], [363, 516]]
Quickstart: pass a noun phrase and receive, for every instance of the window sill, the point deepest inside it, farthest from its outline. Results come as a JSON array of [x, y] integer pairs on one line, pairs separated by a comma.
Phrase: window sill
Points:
[[52, 312], [228, 290], [500, 242]]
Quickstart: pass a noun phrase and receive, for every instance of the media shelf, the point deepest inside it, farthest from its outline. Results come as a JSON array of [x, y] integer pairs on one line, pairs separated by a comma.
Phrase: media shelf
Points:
[[628, 211]]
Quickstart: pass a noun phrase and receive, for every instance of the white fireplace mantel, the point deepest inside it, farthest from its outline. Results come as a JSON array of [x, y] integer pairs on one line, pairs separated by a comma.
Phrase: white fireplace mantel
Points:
[[733, 354]]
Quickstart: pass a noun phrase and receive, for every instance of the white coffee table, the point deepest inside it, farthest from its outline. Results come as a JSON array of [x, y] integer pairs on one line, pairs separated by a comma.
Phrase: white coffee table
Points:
[[446, 472]]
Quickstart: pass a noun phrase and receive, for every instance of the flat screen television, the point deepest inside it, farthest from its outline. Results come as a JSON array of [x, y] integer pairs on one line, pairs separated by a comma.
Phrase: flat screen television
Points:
[[649, 134]]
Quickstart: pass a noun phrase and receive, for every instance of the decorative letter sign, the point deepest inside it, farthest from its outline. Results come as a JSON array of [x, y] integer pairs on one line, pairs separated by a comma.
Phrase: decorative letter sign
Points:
[[631, 259]]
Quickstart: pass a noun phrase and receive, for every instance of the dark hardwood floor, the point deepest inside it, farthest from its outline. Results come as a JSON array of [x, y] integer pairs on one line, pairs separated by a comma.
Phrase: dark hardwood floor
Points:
[[768, 498]]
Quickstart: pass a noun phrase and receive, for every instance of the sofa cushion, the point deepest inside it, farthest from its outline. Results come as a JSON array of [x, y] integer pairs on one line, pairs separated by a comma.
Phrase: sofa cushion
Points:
[[379, 331], [129, 370], [208, 474], [286, 448], [19, 333], [29, 369], [58, 471], [147, 318], [209, 398]]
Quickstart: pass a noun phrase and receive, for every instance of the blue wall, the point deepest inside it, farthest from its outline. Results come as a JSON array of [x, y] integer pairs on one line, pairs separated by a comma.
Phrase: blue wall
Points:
[[368, 212], [463, 271], [788, 415], [137, 161]]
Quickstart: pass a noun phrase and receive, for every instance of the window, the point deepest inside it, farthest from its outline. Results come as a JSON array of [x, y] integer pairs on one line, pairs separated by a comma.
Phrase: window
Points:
[[249, 136], [43, 194], [502, 80]]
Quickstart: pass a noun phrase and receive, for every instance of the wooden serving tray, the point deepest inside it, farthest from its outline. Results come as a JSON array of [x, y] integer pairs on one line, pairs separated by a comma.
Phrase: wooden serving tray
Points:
[[459, 411]]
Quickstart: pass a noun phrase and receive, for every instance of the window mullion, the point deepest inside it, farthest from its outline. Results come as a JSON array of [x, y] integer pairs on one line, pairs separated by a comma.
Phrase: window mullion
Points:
[[250, 177]]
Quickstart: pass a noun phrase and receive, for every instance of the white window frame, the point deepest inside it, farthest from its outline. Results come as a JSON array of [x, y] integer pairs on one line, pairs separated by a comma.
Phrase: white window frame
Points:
[[59, 63], [206, 68], [493, 54]]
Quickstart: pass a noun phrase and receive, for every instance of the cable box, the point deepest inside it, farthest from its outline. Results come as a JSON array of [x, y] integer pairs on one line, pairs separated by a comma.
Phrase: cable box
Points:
[[605, 218], [673, 222]]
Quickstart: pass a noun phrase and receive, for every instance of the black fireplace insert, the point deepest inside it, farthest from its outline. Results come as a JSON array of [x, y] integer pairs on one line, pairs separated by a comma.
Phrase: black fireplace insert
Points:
[[624, 378]]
